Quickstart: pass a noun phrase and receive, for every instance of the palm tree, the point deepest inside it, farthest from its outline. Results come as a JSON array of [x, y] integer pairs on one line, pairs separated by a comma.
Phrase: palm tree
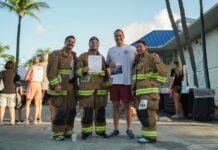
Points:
[[38, 53], [204, 47], [8, 57], [175, 31], [188, 41], [22, 8]]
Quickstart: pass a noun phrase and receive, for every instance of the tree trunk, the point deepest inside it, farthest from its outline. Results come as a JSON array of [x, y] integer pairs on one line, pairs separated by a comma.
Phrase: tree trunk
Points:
[[188, 42], [175, 31], [206, 73], [18, 43]]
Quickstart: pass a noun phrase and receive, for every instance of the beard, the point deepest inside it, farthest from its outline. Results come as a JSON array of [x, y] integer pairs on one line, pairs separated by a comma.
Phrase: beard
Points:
[[70, 47]]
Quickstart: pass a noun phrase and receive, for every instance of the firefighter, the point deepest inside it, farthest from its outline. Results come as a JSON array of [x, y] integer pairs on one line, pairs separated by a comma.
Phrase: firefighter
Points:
[[62, 89], [148, 74], [92, 92]]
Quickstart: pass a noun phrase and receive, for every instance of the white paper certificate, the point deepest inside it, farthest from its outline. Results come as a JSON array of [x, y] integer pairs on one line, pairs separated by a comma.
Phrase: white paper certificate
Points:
[[95, 63]]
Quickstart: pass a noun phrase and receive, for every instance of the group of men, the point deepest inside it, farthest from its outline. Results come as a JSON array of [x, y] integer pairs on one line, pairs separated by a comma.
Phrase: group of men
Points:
[[71, 80]]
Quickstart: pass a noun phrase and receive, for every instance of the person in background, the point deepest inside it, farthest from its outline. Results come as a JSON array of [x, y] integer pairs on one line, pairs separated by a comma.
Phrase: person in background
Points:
[[8, 94], [45, 84], [34, 77], [120, 58], [19, 94], [176, 78]]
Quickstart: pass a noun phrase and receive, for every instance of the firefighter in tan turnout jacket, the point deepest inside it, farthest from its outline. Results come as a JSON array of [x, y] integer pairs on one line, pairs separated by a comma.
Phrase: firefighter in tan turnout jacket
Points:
[[92, 92], [148, 74], [62, 82]]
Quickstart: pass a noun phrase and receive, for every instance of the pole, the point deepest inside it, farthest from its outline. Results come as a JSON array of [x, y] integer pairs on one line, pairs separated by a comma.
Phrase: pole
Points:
[[206, 72]]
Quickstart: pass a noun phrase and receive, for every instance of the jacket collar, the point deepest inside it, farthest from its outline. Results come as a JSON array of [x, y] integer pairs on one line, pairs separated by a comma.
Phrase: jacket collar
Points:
[[65, 52], [144, 54], [92, 52]]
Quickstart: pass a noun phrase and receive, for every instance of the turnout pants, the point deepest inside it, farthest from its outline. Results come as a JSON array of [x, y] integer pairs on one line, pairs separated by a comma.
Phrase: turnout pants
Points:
[[147, 118], [64, 114], [94, 110]]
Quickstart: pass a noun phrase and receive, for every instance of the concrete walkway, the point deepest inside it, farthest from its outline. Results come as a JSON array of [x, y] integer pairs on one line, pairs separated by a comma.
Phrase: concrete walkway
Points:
[[176, 135]]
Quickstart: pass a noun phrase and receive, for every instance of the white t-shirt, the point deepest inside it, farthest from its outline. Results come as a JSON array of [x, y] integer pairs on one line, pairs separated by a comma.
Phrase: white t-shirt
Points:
[[124, 57], [37, 74]]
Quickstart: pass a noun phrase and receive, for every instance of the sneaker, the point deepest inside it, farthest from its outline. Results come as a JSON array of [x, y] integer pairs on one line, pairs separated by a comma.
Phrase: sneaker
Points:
[[114, 133], [138, 136], [130, 134], [103, 135], [19, 121], [176, 117], [12, 123], [143, 140], [59, 138], [35, 122], [26, 122], [85, 136], [39, 121]]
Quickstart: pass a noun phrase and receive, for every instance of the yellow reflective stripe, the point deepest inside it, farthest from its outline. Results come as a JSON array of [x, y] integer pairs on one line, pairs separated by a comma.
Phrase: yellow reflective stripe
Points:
[[87, 130], [149, 133], [54, 81], [54, 93], [107, 83], [149, 75], [146, 91], [69, 132], [64, 72], [102, 92], [100, 128], [161, 79], [80, 72], [143, 76], [86, 92], [57, 133], [102, 73]]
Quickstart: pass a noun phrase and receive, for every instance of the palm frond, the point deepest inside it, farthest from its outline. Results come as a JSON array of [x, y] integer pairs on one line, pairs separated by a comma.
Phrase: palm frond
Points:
[[3, 48], [36, 6], [28, 12], [8, 57], [22, 4], [8, 6]]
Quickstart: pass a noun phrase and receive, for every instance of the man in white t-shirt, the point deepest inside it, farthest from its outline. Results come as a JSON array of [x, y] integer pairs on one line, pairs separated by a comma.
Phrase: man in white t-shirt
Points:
[[120, 59]]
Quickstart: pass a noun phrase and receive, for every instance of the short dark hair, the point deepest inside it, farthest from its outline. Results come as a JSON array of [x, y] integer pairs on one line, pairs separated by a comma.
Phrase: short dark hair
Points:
[[68, 37], [119, 30], [141, 42], [9, 65], [93, 38]]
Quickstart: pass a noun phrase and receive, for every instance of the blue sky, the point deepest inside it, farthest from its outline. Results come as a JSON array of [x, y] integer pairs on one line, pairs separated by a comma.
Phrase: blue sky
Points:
[[86, 18]]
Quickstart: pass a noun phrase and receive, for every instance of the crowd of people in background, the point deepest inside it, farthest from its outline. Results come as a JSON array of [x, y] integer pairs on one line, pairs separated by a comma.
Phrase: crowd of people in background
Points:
[[137, 77], [13, 97]]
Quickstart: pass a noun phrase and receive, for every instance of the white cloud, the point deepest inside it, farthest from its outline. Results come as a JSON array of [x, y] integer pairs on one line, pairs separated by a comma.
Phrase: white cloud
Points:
[[40, 30], [136, 30]]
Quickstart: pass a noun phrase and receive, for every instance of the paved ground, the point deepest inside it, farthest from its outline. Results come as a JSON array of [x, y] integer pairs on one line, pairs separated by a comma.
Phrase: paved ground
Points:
[[180, 135]]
